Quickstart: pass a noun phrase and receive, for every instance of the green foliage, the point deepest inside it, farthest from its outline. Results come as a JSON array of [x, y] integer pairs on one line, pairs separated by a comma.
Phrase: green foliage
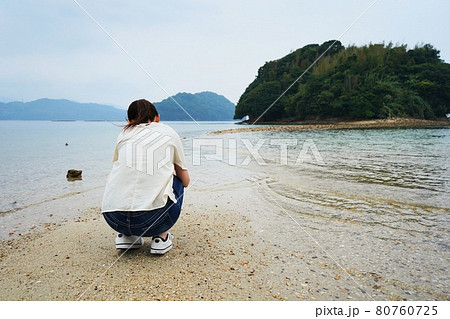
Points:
[[368, 82]]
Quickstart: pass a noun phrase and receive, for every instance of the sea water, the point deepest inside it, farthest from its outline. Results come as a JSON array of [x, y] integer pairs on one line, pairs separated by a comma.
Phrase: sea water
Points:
[[35, 157], [376, 202], [398, 178]]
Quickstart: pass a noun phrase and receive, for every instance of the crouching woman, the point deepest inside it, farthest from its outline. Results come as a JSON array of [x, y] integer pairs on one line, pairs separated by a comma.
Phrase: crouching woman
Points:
[[144, 191]]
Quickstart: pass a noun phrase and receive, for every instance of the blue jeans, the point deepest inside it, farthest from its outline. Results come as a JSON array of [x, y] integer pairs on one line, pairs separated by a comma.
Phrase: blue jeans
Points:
[[148, 223]]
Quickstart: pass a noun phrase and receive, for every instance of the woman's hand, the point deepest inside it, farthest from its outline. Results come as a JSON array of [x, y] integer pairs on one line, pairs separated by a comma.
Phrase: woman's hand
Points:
[[183, 175]]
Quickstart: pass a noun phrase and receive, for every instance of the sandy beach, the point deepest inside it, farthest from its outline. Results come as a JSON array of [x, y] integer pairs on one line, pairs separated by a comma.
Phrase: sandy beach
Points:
[[232, 242], [335, 125], [217, 256]]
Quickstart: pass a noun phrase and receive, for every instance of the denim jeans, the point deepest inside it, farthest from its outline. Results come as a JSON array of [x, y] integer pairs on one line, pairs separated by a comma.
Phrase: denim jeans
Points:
[[148, 223]]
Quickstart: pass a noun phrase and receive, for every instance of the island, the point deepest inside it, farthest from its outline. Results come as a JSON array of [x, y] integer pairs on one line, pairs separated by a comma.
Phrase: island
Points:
[[332, 83]]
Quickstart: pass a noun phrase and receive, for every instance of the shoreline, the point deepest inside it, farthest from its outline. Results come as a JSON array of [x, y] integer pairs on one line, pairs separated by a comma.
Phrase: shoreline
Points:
[[217, 255], [367, 124], [232, 242]]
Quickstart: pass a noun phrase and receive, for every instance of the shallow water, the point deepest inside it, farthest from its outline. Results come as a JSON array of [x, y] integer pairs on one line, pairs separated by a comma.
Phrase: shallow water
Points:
[[405, 165], [35, 159], [376, 200], [395, 178]]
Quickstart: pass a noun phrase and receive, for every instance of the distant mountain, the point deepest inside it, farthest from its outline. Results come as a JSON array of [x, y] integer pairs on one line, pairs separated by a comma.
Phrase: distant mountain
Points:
[[48, 109], [203, 106]]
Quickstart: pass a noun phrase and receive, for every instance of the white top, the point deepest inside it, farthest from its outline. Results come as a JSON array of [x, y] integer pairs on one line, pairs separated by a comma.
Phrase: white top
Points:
[[142, 174]]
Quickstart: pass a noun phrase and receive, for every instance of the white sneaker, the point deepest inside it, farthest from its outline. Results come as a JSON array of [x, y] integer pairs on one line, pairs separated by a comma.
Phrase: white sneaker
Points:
[[161, 246], [128, 242]]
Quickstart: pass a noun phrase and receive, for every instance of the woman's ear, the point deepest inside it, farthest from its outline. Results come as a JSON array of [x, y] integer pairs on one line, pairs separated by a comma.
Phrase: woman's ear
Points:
[[157, 118]]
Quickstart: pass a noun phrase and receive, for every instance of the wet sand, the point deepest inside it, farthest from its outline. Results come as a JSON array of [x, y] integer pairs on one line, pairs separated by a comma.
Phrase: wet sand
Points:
[[216, 256], [232, 242], [369, 124]]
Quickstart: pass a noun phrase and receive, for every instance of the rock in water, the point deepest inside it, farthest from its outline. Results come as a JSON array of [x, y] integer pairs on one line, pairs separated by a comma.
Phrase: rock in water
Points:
[[73, 175]]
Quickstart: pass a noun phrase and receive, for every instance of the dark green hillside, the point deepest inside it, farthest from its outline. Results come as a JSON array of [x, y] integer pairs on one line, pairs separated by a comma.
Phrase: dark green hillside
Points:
[[369, 82], [203, 106]]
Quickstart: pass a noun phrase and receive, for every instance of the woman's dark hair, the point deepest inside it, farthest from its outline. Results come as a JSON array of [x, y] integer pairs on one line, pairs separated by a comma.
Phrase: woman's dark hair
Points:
[[140, 111]]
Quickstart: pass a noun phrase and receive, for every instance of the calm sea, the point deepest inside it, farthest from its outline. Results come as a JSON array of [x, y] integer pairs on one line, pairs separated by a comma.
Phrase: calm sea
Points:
[[404, 164], [35, 158]]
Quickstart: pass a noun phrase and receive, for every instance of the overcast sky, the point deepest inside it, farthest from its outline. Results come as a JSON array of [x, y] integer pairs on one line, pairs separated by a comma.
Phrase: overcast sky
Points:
[[52, 49]]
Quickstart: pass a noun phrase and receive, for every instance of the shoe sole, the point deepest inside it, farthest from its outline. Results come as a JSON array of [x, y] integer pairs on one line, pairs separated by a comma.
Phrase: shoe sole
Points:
[[128, 246], [160, 251]]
